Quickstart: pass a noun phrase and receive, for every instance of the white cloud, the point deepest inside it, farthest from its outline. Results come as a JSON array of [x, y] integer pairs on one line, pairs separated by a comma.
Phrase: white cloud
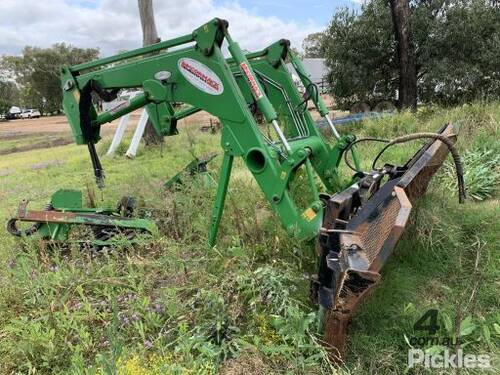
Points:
[[114, 25]]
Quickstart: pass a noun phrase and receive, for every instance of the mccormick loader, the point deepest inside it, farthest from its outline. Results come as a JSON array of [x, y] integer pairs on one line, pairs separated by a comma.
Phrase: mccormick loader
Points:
[[356, 226]]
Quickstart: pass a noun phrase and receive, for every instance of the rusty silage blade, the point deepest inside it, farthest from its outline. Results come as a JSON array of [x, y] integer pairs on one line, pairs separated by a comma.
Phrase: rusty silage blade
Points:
[[361, 227]]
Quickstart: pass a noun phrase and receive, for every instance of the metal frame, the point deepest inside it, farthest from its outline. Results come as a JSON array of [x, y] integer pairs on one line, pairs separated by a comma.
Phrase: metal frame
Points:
[[363, 222], [273, 164]]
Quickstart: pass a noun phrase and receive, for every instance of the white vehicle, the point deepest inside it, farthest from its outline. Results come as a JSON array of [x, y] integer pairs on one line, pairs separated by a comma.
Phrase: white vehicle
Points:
[[30, 113], [13, 113]]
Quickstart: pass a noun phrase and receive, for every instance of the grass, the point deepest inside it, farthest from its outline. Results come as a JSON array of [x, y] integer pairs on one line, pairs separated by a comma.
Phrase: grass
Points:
[[174, 306], [11, 143], [482, 173]]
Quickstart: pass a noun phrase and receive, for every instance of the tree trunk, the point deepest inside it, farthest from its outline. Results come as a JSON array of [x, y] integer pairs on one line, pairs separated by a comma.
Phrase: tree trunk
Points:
[[400, 10], [149, 36]]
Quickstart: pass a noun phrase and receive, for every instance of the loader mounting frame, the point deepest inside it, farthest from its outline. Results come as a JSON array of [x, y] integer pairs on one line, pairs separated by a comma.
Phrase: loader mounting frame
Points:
[[356, 228]]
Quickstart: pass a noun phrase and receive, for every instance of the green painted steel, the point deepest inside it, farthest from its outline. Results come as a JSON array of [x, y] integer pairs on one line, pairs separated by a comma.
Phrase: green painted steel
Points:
[[220, 199], [304, 78], [230, 89], [265, 121], [66, 211], [197, 166], [317, 99]]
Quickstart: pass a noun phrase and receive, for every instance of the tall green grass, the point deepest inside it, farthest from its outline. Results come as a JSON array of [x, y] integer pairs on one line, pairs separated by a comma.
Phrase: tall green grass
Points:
[[174, 306]]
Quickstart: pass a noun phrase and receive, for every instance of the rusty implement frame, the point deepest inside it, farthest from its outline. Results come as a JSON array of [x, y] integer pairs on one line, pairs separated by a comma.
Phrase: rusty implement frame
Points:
[[361, 227], [65, 212]]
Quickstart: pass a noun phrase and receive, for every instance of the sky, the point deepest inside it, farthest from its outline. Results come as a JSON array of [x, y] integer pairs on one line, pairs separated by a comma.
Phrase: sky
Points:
[[113, 25]]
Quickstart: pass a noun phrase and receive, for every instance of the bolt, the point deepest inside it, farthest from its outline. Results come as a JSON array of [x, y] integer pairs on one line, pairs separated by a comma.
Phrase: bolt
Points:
[[316, 206], [353, 249]]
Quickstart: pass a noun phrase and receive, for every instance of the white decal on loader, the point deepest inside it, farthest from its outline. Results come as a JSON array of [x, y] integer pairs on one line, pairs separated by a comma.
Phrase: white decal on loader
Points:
[[253, 83], [200, 76]]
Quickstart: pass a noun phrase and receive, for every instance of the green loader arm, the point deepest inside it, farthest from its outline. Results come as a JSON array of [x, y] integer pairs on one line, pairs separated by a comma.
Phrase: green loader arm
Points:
[[200, 76], [312, 92], [356, 229]]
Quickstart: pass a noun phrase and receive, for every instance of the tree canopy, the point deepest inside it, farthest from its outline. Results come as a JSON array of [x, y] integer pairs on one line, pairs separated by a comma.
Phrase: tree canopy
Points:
[[36, 73], [9, 94], [457, 45], [313, 45]]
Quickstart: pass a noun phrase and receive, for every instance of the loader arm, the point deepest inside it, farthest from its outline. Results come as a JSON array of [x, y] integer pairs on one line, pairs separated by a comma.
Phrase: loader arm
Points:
[[200, 76], [356, 229]]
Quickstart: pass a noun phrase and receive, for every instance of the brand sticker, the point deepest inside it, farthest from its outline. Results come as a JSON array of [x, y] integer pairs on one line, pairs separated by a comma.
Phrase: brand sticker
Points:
[[200, 76], [253, 83]]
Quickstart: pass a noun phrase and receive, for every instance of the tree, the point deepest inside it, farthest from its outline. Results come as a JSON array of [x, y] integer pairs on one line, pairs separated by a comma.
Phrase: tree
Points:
[[36, 71], [149, 36], [313, 45], [9, 95], [400, 11], [459, 52], [456, 46], [359, 52]]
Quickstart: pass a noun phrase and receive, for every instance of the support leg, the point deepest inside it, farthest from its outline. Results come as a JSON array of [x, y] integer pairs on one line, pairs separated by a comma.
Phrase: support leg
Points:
[[225, 173], [310, 176], [120, 131], [139, 131]]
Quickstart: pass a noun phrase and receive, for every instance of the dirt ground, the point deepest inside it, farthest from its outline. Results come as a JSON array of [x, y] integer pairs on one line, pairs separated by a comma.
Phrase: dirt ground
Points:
[[29, 134], [59, 124], [44, 125]]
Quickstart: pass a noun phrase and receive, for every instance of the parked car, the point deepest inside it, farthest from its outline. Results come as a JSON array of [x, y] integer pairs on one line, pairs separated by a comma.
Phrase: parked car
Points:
[[30, 113], [13, 113]]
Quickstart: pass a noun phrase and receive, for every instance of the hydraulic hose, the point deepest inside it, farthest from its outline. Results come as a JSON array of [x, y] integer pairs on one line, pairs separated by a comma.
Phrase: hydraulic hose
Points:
[[350, 145], [311, 92], [411, 137], [451, 147]]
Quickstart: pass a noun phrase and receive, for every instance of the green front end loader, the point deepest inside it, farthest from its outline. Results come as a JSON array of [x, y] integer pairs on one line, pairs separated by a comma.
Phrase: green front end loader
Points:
[[266, 122]]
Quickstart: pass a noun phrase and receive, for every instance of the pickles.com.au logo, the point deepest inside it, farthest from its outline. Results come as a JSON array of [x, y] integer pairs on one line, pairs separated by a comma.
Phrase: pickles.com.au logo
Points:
[[448, 359], [434, 351]]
